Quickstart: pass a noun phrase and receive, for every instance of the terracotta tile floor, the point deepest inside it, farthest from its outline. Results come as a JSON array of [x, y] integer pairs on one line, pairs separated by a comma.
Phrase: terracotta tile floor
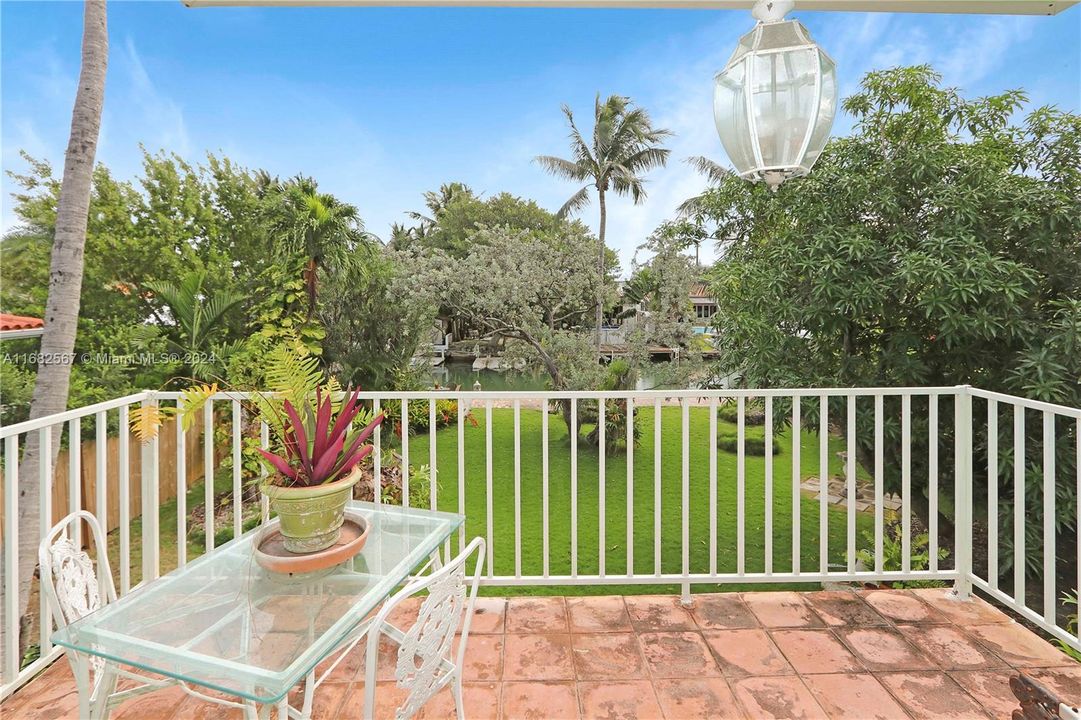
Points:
[[832, 654]]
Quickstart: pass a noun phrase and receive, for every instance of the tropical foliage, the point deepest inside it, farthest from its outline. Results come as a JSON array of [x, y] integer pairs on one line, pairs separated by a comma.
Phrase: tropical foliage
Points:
[[939, 244], [624, 145]]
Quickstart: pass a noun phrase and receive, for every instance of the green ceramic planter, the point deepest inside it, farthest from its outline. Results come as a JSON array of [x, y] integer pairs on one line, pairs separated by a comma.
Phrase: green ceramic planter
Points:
[[311, 517]]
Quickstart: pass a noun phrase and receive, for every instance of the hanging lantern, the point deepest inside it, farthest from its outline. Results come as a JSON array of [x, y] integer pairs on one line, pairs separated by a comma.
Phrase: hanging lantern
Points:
[[775, 100]]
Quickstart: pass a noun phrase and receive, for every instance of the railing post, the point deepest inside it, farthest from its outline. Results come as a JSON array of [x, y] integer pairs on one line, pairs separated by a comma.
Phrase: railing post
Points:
[[962, 529], [148, 478]]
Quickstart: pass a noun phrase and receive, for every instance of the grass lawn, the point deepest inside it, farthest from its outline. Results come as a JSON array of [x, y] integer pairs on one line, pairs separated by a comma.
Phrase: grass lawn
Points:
[[559, 484], [615, 499]]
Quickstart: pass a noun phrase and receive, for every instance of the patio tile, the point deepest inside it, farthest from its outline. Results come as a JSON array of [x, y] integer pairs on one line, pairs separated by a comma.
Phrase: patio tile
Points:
[[193, 708], [678, 655], [354, 666], [782, 698], [781, 609], [49, 695], [991, 688], [883, 649], [538, 657], [949, 648], [722, 611], [815, 651], [931, 696], [651, 613], [903, 607], [843, 607], [697, 699], [973, 611], [746, 652], [489, 616], [608, 656], [1018, 646], [483, 657], [854, 696], [537, 615], [160, 704], [539, 701], [285, 613], [388, 697], [1065, 682], [481, 702], [326, 701], [634, 700], [405, 615], [598, 614], [276, 650], [347, 668]]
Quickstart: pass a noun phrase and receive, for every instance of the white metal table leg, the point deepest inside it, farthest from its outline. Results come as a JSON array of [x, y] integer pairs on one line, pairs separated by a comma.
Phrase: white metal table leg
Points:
[[106, 686], [81, 670], [309, 693]]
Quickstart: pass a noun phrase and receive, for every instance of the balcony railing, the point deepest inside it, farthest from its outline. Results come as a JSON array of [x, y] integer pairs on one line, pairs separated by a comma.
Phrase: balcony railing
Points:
[[676, 511]]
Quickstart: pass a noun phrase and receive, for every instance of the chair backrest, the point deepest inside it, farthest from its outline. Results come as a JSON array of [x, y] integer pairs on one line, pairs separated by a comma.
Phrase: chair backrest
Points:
[[426, 649], [72, 585]]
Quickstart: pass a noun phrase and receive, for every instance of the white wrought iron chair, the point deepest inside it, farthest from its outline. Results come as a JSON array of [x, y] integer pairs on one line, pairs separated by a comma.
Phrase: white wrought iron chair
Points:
[[428, 658], [74, 588]]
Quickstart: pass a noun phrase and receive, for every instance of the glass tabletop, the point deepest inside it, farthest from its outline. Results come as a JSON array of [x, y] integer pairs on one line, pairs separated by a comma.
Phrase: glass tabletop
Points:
[[223, 622]]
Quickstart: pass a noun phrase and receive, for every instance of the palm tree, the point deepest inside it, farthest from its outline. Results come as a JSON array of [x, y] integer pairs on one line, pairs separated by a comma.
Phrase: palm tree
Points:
[[197, 315], [624, 145], [319, 227], [714, 172], [65, 283], [438, 201]]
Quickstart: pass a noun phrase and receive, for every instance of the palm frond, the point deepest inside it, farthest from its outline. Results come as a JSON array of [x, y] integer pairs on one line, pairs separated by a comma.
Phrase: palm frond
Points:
[[576, 202], [713, 170], [646, 158], [146, 421], [627, 183], [215, 308], [561, 167]]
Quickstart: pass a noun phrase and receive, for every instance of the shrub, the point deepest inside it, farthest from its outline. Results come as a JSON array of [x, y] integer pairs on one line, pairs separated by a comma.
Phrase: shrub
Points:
[[446, 413], [754, 412], [754, 441]]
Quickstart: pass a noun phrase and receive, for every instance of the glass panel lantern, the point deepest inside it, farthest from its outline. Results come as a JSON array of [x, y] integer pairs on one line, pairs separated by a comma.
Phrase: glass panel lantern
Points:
[[774, 102]]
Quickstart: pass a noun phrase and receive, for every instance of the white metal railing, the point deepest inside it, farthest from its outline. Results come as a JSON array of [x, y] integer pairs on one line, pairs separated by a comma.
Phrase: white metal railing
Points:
[[555, 511]]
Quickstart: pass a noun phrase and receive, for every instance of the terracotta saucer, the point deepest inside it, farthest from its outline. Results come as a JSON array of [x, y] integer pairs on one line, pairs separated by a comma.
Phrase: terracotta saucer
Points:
[[271, 554]]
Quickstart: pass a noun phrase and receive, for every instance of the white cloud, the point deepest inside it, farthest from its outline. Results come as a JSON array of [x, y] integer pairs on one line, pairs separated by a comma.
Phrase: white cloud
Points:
[[162, 118]]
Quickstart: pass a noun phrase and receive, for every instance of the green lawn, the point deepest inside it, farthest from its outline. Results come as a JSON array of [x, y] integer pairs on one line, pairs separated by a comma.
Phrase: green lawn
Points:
[[559, 483], [615, 499]]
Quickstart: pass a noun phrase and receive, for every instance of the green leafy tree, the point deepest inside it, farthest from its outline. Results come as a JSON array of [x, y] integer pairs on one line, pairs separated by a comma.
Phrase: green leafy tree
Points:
[[319, 227], [624, 145], [457, 215], [939, 244], [373, 325]]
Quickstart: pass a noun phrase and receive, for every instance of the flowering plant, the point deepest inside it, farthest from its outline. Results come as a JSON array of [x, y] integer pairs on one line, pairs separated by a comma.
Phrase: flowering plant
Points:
[[318, 446]]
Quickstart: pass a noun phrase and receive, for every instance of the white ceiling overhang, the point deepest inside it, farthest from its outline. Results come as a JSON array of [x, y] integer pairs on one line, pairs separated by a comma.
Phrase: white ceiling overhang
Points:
[[1000, 7]]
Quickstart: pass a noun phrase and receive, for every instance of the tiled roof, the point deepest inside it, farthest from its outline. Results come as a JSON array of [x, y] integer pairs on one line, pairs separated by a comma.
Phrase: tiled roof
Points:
[[700, 290], [19, 322]]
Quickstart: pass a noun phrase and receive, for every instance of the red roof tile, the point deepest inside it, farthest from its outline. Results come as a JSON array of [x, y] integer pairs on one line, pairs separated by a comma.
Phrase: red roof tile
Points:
[[19, 322]]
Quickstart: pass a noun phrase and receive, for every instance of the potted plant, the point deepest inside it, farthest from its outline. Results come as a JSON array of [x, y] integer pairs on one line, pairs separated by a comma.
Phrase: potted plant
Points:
[[313, 476], [314, 454]]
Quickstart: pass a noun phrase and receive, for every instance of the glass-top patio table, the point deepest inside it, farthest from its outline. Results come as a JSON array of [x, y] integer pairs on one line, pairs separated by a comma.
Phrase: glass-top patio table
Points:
[[224, 623]]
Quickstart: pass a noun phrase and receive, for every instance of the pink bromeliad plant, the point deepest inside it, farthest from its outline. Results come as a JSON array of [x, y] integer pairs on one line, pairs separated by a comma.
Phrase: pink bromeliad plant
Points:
[[317, 444]]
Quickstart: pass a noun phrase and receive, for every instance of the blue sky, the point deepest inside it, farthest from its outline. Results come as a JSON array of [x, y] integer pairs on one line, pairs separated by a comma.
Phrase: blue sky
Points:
[[380, 105]]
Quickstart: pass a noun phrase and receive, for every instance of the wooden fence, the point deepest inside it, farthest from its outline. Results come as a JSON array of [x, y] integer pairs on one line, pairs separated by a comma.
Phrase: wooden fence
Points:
[[88, 479]]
